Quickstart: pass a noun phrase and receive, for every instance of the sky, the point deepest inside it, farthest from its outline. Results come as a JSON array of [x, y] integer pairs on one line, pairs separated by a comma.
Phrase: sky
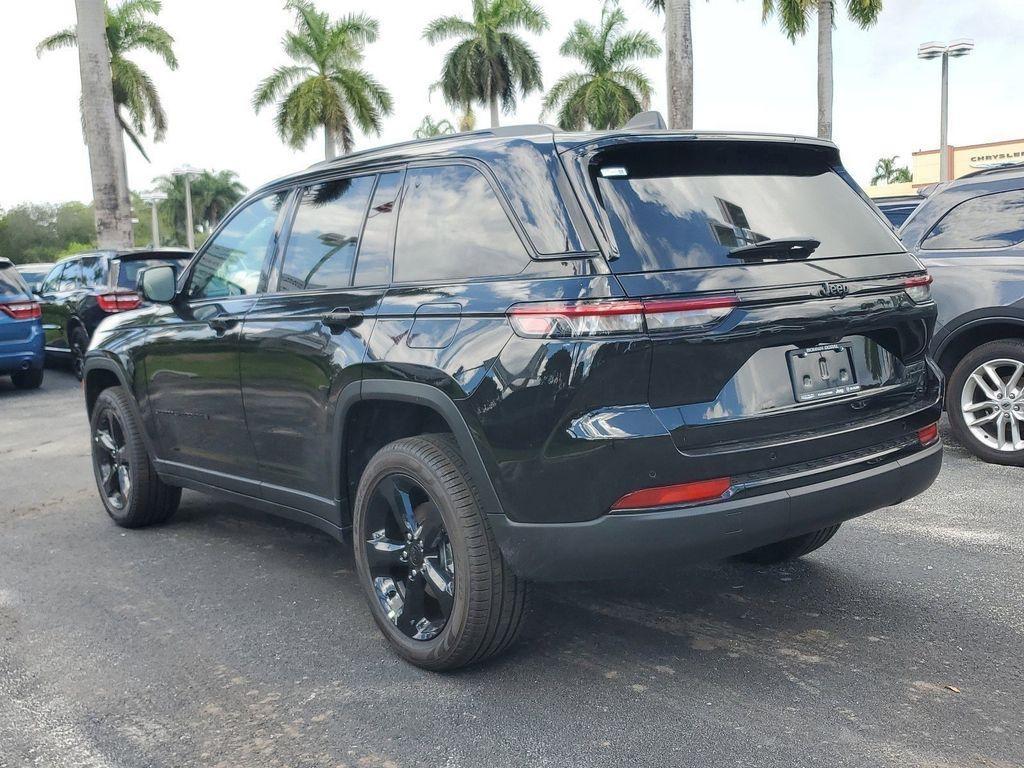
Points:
[[748, 77]]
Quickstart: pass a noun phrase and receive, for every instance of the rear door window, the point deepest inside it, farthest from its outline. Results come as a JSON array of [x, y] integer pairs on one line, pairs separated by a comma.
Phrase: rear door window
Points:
[[377, 247], [452, 226], [989, 221], [680, 206]]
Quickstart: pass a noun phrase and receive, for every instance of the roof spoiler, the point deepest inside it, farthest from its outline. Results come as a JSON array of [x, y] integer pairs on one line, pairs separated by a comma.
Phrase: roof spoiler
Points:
[[650, 121]]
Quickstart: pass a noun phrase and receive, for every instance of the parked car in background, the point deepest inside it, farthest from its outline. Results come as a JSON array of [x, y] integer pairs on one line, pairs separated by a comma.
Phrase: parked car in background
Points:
[[897, 209], [81, 290], [21, 332], [970, 235], [525, 354], [33, 274]]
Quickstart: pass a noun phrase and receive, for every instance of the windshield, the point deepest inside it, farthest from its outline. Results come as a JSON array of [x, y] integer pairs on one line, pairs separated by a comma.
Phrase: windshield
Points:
[[680, 206], [128, 272]]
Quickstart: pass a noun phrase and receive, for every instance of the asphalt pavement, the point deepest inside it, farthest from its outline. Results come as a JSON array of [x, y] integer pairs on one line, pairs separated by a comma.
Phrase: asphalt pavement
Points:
[[230, 638]]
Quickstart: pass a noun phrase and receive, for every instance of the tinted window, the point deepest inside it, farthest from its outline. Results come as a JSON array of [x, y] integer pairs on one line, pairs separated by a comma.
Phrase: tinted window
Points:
[[232, 262], [71, 277], [376, 251], [93, 271], [452, 226], [11, 282], [674, 206], [990, 221], [324, 236], [52, 280], [128, 270]]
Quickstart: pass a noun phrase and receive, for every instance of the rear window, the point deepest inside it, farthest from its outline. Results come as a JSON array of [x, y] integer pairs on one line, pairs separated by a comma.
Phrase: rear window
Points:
[[11, 282], [681, 206], [129, 269]]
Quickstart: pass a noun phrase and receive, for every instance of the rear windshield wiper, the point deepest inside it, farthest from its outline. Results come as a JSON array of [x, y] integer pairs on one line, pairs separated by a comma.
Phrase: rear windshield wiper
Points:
[[778, 248]]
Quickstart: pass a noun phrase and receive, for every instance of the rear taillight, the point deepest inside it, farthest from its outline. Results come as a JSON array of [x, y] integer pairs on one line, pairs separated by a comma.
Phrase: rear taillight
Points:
[[668, 495], [22, 310], [919, 288], [119, 302], [608, 317], [928, 435]]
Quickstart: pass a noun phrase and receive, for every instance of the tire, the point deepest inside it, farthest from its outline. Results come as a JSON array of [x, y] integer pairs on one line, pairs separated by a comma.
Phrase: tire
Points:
[[487, 602], [144, 499], [790, 549], [30, 379], [1004, 359], [79, 343]]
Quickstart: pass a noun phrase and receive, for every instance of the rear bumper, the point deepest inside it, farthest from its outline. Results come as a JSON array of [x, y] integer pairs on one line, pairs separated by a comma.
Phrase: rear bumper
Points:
[[617, 545], [22, 356]]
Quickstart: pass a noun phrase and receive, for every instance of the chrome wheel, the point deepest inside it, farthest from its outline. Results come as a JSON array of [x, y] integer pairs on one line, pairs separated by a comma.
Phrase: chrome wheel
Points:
[[992, 404], [110, 452], [410, 557]]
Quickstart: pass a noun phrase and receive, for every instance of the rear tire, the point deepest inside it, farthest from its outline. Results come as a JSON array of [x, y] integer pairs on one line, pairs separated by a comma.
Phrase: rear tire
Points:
[[79, 345], [790, 549], [485, 601], [30, 379], [966, 399], [131, 492]]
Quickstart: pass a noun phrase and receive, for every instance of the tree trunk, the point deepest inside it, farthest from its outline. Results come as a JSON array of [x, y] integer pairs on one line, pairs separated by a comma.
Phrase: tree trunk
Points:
[[825, 12], [330, 143], [494, 112], [679, 64], [103, 135]]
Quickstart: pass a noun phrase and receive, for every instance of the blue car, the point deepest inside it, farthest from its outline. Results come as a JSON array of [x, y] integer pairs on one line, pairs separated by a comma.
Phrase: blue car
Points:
[[21, 330]]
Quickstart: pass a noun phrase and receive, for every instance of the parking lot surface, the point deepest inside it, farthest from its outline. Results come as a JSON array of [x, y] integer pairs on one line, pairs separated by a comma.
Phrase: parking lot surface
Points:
[[230, 638]]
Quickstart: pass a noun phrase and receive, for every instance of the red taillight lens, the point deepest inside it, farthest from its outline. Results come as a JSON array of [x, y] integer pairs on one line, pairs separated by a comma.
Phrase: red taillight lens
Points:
[[928, 435], [119, 302], [667, 495], [919, 288], [581, 319], [22, 310]]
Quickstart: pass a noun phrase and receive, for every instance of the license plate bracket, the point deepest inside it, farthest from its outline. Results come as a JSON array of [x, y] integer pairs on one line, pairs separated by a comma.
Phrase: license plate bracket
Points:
[[822, 372]]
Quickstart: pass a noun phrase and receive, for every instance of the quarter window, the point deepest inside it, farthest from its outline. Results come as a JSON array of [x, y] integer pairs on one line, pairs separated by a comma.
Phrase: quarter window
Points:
[[452, 226], [322, 245], [231, 265], [989, 221]]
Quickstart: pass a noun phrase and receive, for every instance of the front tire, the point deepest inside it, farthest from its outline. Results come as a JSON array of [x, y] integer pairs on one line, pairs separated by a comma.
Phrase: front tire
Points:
[[431, 570], [131, 492], [985, 402], [30, 379], [790, 549]]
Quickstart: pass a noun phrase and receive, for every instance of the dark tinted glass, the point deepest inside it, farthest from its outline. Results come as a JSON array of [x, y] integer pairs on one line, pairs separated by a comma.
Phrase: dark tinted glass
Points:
[[93, 271], [232, 263], [452, 226], [990, 221], [52, 280], [11, 282], [376, 250], [71, 277], [324, 236], [128, 271], [674, 206]]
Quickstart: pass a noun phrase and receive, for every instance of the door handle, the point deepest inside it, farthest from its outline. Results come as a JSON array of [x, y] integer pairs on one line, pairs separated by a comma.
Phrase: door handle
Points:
[[221, 325], [340, 319]]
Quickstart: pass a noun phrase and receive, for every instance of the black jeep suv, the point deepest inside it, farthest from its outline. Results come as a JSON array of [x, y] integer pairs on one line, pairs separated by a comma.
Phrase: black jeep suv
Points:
[[970, 235], [83, 289], [525, 354]]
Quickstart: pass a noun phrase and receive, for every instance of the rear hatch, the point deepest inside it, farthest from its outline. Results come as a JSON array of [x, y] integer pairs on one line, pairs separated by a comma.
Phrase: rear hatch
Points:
[[19, 312], [130, 267], [805, 328]]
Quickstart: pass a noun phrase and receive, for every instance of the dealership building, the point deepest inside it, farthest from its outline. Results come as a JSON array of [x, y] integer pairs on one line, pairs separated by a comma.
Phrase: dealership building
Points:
[[962, 160]]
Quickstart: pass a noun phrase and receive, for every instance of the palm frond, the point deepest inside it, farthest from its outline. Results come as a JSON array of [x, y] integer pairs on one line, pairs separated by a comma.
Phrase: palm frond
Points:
[[864, 12], [447, 27], [66, 38], [274, 85]]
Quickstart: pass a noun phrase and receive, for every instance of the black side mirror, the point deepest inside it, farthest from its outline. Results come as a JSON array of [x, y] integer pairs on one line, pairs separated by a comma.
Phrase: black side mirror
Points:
[[158, 284]]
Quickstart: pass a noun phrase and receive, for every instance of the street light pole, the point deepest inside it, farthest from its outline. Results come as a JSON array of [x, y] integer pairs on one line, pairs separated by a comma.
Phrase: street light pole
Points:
[[933, 50], [154, 198], [188, 172]]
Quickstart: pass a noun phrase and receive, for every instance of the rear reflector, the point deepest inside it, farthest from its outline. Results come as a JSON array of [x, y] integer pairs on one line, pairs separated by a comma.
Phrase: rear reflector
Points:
[[581, 319], [919, 288], [928, 435], [119, 302], [22, 310], [667, 495]]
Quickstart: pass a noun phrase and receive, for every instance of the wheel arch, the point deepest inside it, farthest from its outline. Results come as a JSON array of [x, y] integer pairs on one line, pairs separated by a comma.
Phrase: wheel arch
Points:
[[974, 332], [101, 373]]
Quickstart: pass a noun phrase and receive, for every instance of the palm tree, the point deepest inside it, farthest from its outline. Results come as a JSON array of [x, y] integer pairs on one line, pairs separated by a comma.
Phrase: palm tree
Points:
[[793, 16], [678, 60], [489, 62], [428, 128], [611, 89], [213, 195], [111, 202], [325, 88], [128, 29], [887, 172]]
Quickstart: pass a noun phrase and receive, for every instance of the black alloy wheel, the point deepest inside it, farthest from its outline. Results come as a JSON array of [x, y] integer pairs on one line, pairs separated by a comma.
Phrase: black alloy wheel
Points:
[[79, 346], [410, 558], [112, 457]]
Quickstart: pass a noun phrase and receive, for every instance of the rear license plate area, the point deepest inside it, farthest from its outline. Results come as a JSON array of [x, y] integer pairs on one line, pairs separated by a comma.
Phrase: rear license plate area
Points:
[[822, 372]]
